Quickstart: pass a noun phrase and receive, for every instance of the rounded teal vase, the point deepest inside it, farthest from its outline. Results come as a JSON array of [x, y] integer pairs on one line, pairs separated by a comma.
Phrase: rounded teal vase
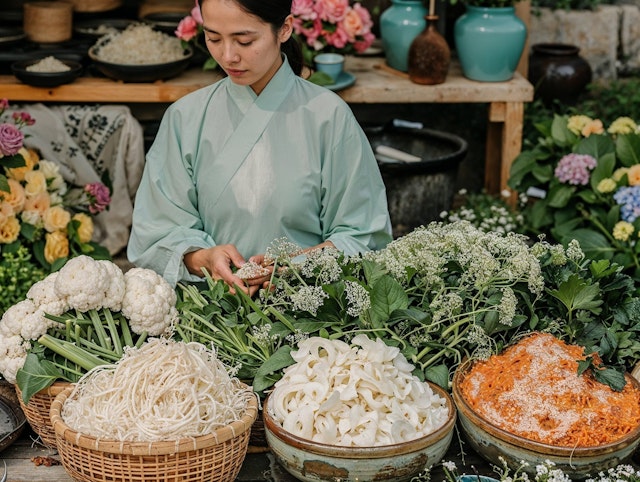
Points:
[[489, 42], [402, 22]]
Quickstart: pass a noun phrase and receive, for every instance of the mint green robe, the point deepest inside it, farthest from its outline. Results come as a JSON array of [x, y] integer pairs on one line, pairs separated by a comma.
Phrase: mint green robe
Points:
[[310, 177]]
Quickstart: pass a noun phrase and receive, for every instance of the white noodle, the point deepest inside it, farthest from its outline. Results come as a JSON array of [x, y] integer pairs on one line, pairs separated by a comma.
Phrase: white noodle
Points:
[[165, 390]]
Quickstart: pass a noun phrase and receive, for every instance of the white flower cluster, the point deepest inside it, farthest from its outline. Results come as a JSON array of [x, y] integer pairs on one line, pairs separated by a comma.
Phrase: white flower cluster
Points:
[[84, 284]]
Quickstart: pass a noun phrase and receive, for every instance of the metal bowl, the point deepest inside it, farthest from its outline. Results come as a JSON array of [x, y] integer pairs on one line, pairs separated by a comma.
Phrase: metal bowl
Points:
[[493, 443], [316, 462], [12, 418], [46, 79], [140, 72]]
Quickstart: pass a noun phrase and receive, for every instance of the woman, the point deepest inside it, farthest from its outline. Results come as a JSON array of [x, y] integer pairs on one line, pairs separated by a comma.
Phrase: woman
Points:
[[258, 156]]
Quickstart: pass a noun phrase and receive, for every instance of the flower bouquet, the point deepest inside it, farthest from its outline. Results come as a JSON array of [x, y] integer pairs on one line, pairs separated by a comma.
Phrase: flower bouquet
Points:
[[331, 26], [442, 293], [585, 182], [43, 220], [191, 34]]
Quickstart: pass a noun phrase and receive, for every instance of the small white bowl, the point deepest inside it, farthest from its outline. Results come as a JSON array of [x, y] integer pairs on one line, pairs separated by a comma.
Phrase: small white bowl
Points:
[[315, 462]]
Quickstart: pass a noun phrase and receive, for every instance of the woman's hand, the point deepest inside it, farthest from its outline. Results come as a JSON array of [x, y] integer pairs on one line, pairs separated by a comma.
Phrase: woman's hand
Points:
[[218, 260]]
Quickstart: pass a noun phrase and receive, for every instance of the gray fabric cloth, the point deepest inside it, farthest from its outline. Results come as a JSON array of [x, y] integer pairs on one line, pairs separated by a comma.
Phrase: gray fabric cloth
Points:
[[87, 141]]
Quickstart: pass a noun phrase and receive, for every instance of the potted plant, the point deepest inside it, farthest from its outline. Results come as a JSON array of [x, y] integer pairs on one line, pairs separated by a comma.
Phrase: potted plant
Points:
[[489, 39]]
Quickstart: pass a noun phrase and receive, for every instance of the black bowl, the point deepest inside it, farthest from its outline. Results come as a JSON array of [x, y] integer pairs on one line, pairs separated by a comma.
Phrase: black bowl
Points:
[[140, 72], [165, 21], [46, 79], [11, 35], [96, 28]]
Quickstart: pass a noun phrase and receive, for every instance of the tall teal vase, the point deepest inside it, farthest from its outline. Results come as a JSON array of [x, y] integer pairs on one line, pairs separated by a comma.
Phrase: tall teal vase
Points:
[[489, 42], [399, 25]]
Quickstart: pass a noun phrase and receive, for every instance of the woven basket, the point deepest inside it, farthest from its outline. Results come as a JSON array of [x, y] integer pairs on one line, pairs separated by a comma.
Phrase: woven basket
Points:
[[94, 5], [213, 457], [37, 411]]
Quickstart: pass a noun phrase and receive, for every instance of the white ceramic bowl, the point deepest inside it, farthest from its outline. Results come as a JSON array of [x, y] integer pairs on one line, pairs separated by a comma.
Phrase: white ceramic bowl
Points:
[[313, 462], [492, 442]]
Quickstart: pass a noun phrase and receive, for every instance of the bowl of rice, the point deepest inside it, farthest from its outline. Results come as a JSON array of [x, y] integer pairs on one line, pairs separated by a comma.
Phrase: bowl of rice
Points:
[[354, 411], [48, 71], [529, 404], [140, 53]]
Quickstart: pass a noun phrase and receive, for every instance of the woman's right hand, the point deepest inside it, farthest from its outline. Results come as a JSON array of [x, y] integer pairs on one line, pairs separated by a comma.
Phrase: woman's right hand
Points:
[[217, 260]]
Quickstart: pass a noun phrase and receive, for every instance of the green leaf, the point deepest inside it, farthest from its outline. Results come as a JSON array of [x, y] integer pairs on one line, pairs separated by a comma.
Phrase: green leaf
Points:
[[596, 146], [561, 133], [560, 195], [279, 360], [593, 244], [4, 184], [387, 295], [628, 149], [13, 161], [320, 78], [610, 377], [439, 375], [36, 375], [576, 294]]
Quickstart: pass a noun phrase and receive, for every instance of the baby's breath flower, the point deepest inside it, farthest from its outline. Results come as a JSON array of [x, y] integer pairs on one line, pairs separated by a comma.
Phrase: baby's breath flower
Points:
[[574, 251], [358, 298], [507, 307], [309, 298]]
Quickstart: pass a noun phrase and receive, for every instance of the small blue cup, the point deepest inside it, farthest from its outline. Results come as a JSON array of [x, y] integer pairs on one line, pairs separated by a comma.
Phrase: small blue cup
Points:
[[330, 64]]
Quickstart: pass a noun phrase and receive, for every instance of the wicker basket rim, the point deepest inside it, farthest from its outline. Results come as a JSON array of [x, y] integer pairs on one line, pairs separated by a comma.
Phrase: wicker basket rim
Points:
[[186, 444]]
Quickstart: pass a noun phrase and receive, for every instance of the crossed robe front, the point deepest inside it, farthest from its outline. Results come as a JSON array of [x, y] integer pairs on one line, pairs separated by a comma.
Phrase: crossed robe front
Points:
[[228, 166]]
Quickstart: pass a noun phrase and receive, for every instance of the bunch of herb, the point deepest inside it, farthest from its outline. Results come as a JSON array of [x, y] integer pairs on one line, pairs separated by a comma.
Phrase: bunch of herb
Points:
[[441, 293], [487, 212]]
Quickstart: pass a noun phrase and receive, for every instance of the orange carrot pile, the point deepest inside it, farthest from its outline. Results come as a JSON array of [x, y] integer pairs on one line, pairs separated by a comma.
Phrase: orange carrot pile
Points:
[[532, 390]]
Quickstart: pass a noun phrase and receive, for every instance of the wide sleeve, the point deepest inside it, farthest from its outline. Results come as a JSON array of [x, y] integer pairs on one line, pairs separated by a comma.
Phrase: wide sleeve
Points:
[[166, 222], [355, 216]]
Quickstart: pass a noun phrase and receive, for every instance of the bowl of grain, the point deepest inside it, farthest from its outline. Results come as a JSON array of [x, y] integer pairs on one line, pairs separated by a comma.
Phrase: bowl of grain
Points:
[[48, 71], [529, 403], [140, 54]]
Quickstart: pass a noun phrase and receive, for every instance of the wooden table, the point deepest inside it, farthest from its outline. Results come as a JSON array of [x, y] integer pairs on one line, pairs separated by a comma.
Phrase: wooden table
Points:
[[375, 83]]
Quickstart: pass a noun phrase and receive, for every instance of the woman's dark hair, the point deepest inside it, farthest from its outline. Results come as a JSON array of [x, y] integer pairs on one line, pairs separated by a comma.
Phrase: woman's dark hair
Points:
[[274, 12]]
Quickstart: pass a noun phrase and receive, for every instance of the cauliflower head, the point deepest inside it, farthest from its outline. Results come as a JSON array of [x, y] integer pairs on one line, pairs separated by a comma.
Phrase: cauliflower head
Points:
[[13, 353], [83, 283], [149, 302], [115, 292], [43, 294]]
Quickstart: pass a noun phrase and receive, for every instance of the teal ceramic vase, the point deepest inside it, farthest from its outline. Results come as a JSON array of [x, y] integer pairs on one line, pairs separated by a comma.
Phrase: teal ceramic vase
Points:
[[402, 22], [489, 42]]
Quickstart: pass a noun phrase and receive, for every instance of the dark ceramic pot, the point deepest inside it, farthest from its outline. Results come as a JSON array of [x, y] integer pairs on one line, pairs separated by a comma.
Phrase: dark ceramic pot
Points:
[[557, 71]]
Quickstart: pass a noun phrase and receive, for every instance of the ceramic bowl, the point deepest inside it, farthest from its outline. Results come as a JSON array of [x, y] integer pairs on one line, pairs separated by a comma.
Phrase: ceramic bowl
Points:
[[46, 79], [140, 72], [315, 462], [493, 443]]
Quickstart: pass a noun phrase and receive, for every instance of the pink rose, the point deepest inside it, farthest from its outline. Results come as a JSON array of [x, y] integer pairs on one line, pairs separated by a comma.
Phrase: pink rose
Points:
[[11, 139], [197, 14], [332, 10], [337, 39], [365, 43], [303, 9], [352, 25], [365, 16], [187, 28]]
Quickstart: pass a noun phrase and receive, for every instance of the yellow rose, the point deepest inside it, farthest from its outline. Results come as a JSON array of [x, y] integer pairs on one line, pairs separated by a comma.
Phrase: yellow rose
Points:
[[6, 211], [622, 125], [56, 218], [606, 185], [85, 230], [38, 203], [9, 230], [577, 122], [634, 175], [31, 158], [36, 183], [16, 195], [622, 230], [593, 127], [56, 246]]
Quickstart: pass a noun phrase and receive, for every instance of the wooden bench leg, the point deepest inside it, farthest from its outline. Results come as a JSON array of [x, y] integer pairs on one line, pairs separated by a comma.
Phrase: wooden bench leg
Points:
[[504, 142]]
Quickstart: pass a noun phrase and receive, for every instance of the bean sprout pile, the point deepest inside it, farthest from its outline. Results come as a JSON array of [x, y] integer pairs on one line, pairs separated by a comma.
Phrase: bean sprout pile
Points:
[[162, 391], [362, 395]]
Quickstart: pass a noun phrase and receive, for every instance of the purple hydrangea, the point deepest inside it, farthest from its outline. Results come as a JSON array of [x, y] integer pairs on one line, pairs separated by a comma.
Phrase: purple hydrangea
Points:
[[629, 198], [11, 139], [574, 169]]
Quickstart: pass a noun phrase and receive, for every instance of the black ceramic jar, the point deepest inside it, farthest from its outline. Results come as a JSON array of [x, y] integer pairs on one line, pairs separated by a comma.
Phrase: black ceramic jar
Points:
[[557, 71]]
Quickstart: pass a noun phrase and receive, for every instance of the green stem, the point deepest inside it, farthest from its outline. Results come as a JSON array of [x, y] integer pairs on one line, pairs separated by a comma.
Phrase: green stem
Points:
[[71, 352], [113, 330]]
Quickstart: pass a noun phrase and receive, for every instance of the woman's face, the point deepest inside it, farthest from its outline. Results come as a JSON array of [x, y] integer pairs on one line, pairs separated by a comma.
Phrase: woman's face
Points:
[[243, 45]]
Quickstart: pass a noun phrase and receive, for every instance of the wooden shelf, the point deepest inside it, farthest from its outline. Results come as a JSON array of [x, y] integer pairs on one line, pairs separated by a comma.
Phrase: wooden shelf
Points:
[[376, 83]]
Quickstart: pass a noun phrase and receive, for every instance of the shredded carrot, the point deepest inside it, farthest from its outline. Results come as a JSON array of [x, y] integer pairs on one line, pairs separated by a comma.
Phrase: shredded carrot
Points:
[[532, 390]]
